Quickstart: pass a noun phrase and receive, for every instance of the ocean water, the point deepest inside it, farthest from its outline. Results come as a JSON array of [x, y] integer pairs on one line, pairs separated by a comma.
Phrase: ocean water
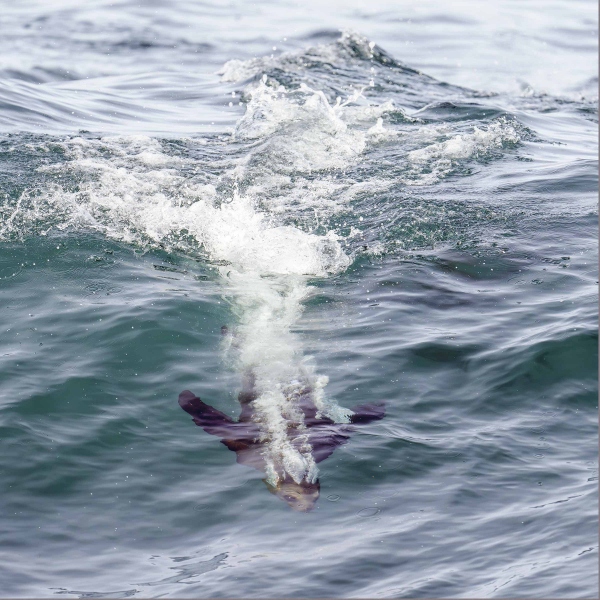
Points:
[[367, 204]]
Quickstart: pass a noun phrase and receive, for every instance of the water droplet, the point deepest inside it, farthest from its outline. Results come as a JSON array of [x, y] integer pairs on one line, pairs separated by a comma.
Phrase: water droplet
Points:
[[333, 498]]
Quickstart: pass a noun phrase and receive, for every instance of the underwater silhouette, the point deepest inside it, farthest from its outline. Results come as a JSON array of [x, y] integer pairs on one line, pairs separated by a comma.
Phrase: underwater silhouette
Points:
[[245, 438]]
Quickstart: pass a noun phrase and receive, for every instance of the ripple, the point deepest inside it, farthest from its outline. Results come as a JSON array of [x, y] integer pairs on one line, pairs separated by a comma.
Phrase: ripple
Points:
[[369, 512], [80, 594]]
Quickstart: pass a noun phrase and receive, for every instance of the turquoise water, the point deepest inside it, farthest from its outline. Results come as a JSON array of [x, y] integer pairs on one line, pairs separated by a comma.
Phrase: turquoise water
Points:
[[428, 241]]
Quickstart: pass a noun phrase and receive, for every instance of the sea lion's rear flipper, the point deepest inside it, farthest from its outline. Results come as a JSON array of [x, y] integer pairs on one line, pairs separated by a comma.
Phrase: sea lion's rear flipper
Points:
[[365, 413], [210, 419]]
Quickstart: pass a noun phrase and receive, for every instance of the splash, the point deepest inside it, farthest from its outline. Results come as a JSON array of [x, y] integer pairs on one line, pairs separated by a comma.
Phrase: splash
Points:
[[437, 160], [350, 46], [260, 204], [130, 189]]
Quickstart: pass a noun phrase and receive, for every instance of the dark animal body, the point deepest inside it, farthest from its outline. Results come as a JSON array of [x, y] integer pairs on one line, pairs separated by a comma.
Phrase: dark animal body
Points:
[[244, 438]]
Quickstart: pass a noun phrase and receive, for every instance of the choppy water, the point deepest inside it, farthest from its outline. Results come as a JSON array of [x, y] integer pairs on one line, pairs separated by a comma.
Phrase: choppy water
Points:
[[390, 203]]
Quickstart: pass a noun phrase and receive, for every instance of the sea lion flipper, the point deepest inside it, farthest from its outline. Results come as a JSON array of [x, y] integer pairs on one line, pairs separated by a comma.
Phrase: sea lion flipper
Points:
[[365, 413], [235, 445], [210, 419], [247, 453], [324, 440]]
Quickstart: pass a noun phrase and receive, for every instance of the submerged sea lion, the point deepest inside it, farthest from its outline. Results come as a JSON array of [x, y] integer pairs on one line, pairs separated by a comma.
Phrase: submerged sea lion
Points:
[[244, 438]]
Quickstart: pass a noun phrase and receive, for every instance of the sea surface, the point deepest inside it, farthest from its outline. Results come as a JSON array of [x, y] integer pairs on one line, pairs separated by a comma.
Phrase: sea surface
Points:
[[384, 202]]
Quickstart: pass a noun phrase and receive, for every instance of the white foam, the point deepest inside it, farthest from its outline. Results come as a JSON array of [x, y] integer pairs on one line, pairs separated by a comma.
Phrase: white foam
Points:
[[304, 131], [436, 160]]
